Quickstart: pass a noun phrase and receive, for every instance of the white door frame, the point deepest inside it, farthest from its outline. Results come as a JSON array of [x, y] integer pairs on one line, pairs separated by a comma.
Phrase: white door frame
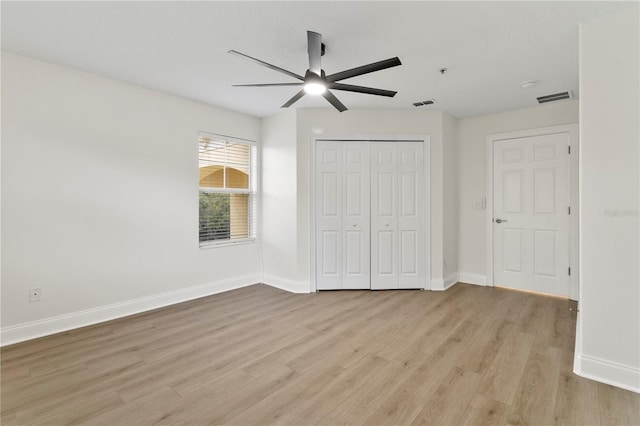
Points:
[[572, 130], [425, 139]]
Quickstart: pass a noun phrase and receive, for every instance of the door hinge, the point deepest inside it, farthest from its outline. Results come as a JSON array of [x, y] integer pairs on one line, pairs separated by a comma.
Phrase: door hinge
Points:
[[569, 271], [569, 149], [569, 210]]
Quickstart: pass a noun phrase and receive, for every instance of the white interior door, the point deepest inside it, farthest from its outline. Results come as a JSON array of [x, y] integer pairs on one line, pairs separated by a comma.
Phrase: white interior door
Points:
[[356, 235], [411, 216], [342, 215], [531, 216], [397, 216], [384, 216]]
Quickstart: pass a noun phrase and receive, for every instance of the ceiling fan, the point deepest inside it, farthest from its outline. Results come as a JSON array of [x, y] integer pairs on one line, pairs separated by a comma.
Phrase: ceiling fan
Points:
[[316, 82]]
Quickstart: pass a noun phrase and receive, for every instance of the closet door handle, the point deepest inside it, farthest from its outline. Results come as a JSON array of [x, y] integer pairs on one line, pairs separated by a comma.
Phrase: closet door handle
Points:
[[386, 224]]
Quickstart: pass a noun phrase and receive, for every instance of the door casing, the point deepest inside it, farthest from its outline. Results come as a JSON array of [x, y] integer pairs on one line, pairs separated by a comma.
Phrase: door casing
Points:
[[572, 131]]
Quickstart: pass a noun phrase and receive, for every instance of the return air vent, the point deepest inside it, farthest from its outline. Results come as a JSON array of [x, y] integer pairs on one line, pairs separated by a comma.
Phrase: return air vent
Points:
[[555, 97]]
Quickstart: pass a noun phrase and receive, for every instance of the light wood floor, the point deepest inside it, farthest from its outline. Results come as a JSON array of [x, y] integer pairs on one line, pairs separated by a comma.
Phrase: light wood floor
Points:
[[258, 355]]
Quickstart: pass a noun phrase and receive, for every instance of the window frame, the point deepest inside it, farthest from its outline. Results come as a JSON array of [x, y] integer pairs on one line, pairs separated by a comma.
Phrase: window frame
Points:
[[251, 192]]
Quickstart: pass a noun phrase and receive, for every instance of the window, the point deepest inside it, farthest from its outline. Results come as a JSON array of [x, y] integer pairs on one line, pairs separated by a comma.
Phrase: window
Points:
[[227, 183]]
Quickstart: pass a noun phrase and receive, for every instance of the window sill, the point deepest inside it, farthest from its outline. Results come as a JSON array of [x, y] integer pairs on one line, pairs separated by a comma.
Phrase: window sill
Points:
[[227, 243]]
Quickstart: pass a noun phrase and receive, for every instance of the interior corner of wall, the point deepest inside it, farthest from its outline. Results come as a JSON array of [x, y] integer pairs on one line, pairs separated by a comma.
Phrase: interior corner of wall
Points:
[[292, 286]]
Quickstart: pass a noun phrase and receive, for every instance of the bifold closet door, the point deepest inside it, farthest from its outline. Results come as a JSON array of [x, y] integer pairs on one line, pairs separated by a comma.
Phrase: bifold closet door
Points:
[[398, 253], [342, 215]]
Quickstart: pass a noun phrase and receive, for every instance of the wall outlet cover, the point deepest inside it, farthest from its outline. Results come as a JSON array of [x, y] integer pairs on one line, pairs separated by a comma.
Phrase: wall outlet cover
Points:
[[34, 294]]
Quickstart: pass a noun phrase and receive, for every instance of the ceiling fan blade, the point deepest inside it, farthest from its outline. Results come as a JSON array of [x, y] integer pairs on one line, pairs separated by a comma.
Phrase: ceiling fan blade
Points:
[[294, 99], [362, 89], [364, 69], [268, 85], [314, 49], [265, 64], [334, 101]]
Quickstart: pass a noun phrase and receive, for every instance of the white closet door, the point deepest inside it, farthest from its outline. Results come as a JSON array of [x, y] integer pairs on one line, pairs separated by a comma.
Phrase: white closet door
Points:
[[356, 216], [328, 215], [384, 216], [342, 215], [398, 255], [411, 227]]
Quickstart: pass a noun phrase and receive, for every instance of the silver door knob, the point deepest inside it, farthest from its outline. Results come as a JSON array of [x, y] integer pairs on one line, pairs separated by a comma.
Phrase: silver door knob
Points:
[[500, 220], [354, 225], [386, 224]]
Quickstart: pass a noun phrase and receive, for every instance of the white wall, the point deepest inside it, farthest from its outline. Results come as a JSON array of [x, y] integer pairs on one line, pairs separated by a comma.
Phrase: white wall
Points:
[[450, 215], [608, 341], [279, 201], [100, 199], [471, 137], [327, 122]]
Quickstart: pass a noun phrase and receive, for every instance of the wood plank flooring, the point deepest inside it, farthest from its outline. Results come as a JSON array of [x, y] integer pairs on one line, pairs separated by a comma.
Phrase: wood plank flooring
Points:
[[258, 355]]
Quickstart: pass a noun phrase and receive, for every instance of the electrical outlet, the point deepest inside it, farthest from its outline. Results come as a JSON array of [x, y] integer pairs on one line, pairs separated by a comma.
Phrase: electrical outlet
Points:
[[34, 294]]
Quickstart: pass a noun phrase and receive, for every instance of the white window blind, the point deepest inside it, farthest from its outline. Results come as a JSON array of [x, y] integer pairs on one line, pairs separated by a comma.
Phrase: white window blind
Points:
[[227, 184]]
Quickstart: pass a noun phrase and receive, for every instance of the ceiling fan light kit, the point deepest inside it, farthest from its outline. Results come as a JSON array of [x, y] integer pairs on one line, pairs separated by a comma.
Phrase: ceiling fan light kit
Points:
[[316, 82]]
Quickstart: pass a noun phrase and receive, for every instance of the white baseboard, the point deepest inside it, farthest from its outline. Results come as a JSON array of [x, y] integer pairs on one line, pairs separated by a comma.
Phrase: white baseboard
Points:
[[286, 284], [44, 327], [611, 373], [437, 284], [476, 279]]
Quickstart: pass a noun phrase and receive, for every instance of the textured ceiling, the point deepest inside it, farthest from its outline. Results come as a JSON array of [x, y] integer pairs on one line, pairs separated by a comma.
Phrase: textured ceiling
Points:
[[181, 47]]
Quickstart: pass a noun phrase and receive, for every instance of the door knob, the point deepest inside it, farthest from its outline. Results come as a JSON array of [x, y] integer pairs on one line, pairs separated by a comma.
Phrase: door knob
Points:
[[500, 220], [386, 224]]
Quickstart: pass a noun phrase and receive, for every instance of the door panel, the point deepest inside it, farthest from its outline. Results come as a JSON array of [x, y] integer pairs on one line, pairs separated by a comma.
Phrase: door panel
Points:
[[512, 191], [408, 194], [353, 198], [531, 198], [330, 250], [408, 252], [385, 193], [544, 243], [411, 225], [384, 220], [353, 253], [357, 213], [386, 253], [330, 193], [512, 249], [342, 215], [328, 218], [397, 222]]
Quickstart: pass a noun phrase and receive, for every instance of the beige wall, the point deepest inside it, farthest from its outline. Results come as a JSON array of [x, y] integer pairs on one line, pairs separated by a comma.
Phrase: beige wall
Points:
[[471, 139], [450, 215], [278, 200], [100, 199], [608, 337]]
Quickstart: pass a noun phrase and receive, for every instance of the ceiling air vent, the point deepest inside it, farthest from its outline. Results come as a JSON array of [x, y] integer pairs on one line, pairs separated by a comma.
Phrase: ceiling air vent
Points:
[[555, 97]]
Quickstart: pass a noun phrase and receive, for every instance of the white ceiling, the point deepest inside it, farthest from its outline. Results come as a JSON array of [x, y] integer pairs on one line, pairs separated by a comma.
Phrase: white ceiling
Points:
[[181, 48]]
